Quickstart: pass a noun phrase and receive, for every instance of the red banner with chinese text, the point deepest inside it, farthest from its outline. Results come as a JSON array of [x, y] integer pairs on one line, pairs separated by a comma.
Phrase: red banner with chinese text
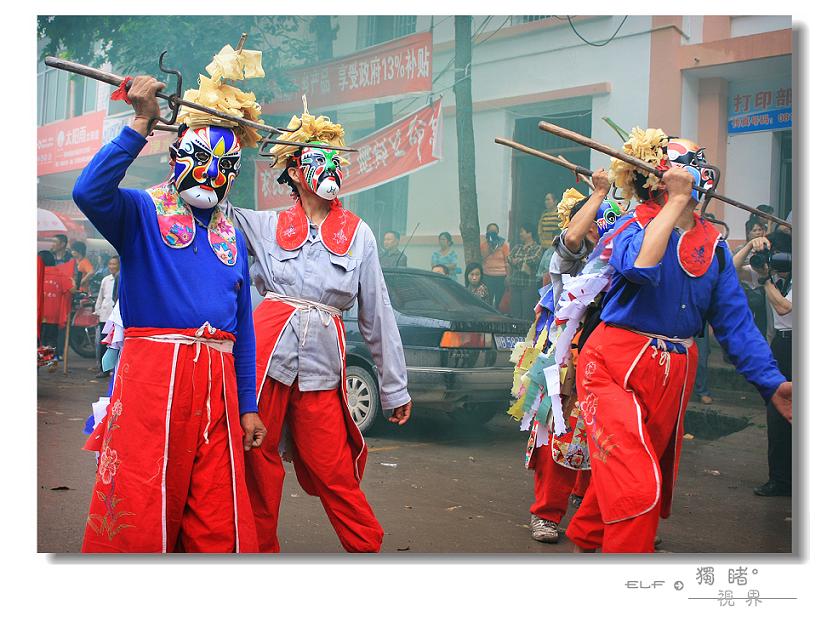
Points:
[[399, 67], [399, 149], [68, 145]]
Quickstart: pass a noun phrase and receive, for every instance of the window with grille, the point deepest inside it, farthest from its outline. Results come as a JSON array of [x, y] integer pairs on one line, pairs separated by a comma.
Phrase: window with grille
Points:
[[373, 29], [525, 19]]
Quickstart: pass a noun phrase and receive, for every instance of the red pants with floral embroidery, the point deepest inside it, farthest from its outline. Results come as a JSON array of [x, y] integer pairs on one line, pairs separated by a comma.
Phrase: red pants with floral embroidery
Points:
[[633, 398], [553, 483], [316, 424], [171, 469]]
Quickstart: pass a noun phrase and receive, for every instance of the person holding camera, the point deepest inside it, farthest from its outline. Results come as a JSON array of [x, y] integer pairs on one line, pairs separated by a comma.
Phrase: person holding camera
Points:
[[778, 288]]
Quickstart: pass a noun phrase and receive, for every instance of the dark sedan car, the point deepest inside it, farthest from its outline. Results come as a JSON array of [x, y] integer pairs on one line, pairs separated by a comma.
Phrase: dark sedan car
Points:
[[456, 350]]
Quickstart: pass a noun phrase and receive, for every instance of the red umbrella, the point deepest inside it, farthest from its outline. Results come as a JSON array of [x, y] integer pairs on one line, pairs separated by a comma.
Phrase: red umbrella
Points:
[[74, 229]]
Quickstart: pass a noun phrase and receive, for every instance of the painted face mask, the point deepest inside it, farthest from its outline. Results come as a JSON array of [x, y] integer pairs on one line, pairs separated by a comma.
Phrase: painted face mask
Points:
[[206, 164], [607, 214], [685, 153], [321, 170]]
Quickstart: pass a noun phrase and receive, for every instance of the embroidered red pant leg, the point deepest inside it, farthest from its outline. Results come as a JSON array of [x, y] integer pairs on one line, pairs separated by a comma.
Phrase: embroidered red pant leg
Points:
[[634, 399], [325, 466], [265, 470], [553, 484], [582, 483], [171, 472]]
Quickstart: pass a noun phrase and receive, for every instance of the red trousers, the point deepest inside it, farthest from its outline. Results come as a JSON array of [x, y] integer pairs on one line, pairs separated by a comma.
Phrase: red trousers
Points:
[[323, 461], [553, 484], [633, 399], [171, 472]]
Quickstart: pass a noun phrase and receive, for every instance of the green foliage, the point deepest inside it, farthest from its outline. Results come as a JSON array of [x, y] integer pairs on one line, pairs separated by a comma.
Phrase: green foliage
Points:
[[133, 44]]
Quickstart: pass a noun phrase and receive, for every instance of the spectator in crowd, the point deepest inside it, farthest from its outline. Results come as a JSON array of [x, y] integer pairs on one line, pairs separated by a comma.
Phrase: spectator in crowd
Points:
[[84, 268], [391, 256], [473, 281], [548, 227], [446, 255], [107, 297], [778, 288], [60, 249], [543, 276], [494, 250], [45, 259], [57, 287], [440, 269], [701, 387], [749, 275], [523, 261]]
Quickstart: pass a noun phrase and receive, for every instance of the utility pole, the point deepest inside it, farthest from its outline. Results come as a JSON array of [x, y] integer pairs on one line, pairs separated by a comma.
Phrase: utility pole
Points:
[[469, 220]]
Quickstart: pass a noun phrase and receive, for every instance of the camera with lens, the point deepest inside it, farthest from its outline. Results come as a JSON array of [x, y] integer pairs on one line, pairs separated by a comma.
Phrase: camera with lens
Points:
[[778, 257], [777, 261]]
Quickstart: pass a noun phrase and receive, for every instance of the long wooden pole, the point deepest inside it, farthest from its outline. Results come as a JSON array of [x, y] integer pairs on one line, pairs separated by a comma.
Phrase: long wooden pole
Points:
[[66, 342], [645, 166], [116, 80], [580, 170]]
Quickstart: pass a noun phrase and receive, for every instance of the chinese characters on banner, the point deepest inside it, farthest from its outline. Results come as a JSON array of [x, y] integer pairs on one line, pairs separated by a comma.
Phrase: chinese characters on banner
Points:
[[399, 149], [402, 66], [68, 145], [760, 105]]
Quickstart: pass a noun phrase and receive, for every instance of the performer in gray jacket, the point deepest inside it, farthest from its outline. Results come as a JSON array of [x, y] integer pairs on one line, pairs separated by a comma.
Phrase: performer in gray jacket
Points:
[[313, 261]]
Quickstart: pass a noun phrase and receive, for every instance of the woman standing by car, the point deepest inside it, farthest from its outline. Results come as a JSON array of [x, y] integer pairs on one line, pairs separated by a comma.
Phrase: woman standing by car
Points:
[[446, 255], [473, 281], [523, 261]]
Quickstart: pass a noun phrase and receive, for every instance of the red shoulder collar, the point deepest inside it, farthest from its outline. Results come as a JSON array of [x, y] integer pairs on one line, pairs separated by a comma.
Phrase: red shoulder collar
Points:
[[696, 247], [336, 231]]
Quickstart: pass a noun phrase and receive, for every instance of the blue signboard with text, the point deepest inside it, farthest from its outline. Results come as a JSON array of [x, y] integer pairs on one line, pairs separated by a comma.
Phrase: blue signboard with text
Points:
[[760, 105]]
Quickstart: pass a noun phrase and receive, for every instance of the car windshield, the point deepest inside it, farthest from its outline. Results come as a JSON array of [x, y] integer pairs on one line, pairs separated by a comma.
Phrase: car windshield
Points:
[[413, 293]]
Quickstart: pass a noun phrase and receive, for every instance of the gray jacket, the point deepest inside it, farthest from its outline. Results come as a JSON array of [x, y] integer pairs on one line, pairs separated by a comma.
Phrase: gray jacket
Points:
[[564, 261], [313, 273]]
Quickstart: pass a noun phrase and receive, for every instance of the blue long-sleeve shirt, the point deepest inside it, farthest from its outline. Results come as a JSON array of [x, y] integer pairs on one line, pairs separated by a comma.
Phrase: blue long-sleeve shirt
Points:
[[663, 299], [163, 287]]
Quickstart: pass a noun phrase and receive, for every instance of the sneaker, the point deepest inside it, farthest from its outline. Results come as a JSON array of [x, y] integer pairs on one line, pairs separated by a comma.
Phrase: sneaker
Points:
[[773, 489], [575, 501], [544, 530], [706, 399]]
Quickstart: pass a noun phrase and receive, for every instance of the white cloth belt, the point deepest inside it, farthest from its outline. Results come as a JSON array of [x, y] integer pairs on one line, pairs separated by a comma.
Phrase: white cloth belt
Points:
[[326, 312], [221, 345], [659, 348]]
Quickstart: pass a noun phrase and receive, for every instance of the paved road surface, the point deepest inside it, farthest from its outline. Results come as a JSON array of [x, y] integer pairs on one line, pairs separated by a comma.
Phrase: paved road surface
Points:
[[438, 488]]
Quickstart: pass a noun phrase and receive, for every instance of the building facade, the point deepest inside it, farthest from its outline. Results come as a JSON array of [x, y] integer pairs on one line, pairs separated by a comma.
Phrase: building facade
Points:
[[726, 81]]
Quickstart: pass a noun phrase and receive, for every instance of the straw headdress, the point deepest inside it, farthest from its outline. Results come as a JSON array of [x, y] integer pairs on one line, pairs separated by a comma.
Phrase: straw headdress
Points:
[[648, 145], [313, 129], [571, 197], [228, 64]]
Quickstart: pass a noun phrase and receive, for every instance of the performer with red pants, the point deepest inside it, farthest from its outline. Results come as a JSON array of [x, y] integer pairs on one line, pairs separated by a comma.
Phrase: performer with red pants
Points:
[[556, 479], [636, 371], [171, 470], [313, 261]]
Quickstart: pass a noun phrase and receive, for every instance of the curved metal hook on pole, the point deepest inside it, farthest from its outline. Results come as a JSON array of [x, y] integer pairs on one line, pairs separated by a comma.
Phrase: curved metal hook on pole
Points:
[[175, 102], [644, 166]]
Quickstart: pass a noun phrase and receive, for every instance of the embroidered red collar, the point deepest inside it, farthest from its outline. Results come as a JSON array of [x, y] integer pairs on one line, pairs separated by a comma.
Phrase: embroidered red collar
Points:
[[177, 224], [337, 230], [696, 247]]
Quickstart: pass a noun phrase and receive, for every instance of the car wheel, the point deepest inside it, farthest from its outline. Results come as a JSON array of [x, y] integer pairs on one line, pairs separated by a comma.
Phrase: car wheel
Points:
[[362, 397], [477, 415]]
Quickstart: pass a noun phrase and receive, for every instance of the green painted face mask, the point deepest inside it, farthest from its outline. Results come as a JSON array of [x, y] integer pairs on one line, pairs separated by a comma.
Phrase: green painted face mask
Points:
[[322, 171]]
